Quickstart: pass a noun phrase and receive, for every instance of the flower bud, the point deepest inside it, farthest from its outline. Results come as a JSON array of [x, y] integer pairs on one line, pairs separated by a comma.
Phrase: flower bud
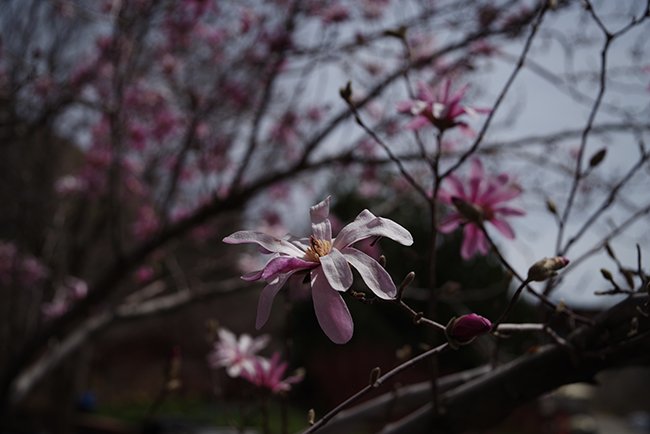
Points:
[[546, 268], [607, 275], [463, 330]]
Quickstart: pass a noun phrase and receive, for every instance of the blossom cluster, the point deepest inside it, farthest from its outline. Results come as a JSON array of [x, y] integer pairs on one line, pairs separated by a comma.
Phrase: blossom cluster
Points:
[[240, 359]]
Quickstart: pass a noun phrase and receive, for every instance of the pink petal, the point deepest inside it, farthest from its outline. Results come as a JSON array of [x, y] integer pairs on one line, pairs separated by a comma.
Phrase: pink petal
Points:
[[471, 241], [252, 276], [337, 270], [320, 211], [450, 223], [502, 194], [404, 106], [322, 230], [373, 274], [504, 228], [417, 123], [483, 246], [424, 92], [481, 110], [460, 94], [266, 299], [466, 130], [475, 177], [366, 225], [456, 186], [284, 264], [509, 211], [332, 313], [444, 97], [269, 243], [455, 110]]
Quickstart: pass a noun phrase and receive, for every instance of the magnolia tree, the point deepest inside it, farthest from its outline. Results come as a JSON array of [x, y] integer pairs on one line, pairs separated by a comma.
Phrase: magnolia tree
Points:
[[138, 135]]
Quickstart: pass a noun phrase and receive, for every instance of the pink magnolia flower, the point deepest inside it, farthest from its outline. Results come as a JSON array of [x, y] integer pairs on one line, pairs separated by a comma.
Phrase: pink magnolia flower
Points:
[[482, 200], [328, 261], [268, 374], [442, 109], [236, 355]]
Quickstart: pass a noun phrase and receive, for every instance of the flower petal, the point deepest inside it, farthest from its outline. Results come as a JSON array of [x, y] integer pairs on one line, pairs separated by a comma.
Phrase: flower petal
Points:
[[404, 106], [509, 211], [450, 223], [320, 224], [284, 264], [252, 276], [320, 211], [331, 311], [366, 225], [455, 187], [424, 93], [373, 274], [477, 173], [417, 123], [503, 227], [268, 242], [337, 270], [471, 241], [266, 299], [322, 230]]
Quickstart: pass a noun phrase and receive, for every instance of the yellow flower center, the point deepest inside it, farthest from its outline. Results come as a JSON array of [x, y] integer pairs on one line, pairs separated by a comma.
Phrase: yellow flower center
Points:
[[317, 248]]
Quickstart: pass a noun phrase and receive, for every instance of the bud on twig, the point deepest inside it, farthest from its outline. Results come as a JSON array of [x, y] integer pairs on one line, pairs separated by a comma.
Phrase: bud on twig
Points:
[[399, 33], [550, 206], [546, 268], [346, 92], [629, 277], [406, 282], [375, 373], [597, 158], [606, 274], [311, 417], [463, 330]]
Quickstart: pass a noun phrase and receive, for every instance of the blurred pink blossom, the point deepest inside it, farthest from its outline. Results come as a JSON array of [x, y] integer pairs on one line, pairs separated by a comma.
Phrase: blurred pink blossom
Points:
[[486, 196], [71, 290], [237, 355], [269, 374], [18, 268], [144, 274], [441, 109]]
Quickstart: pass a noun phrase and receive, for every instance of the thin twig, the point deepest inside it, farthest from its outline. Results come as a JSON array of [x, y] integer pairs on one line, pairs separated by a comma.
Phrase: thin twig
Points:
[[381, 380]]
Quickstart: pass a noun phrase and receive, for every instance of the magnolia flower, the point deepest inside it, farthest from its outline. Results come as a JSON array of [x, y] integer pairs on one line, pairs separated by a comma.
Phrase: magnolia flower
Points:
[[268, 374], [441, 109], [328, 262], [236, 355], [481, 200], [466, 328]]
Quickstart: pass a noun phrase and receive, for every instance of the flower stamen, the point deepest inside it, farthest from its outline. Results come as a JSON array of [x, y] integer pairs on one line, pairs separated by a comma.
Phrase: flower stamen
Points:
[[317, 249]]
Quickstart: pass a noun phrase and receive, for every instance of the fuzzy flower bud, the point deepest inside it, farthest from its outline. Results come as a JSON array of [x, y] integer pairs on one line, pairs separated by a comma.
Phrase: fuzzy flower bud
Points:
[[465, 329], [546, 268]]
